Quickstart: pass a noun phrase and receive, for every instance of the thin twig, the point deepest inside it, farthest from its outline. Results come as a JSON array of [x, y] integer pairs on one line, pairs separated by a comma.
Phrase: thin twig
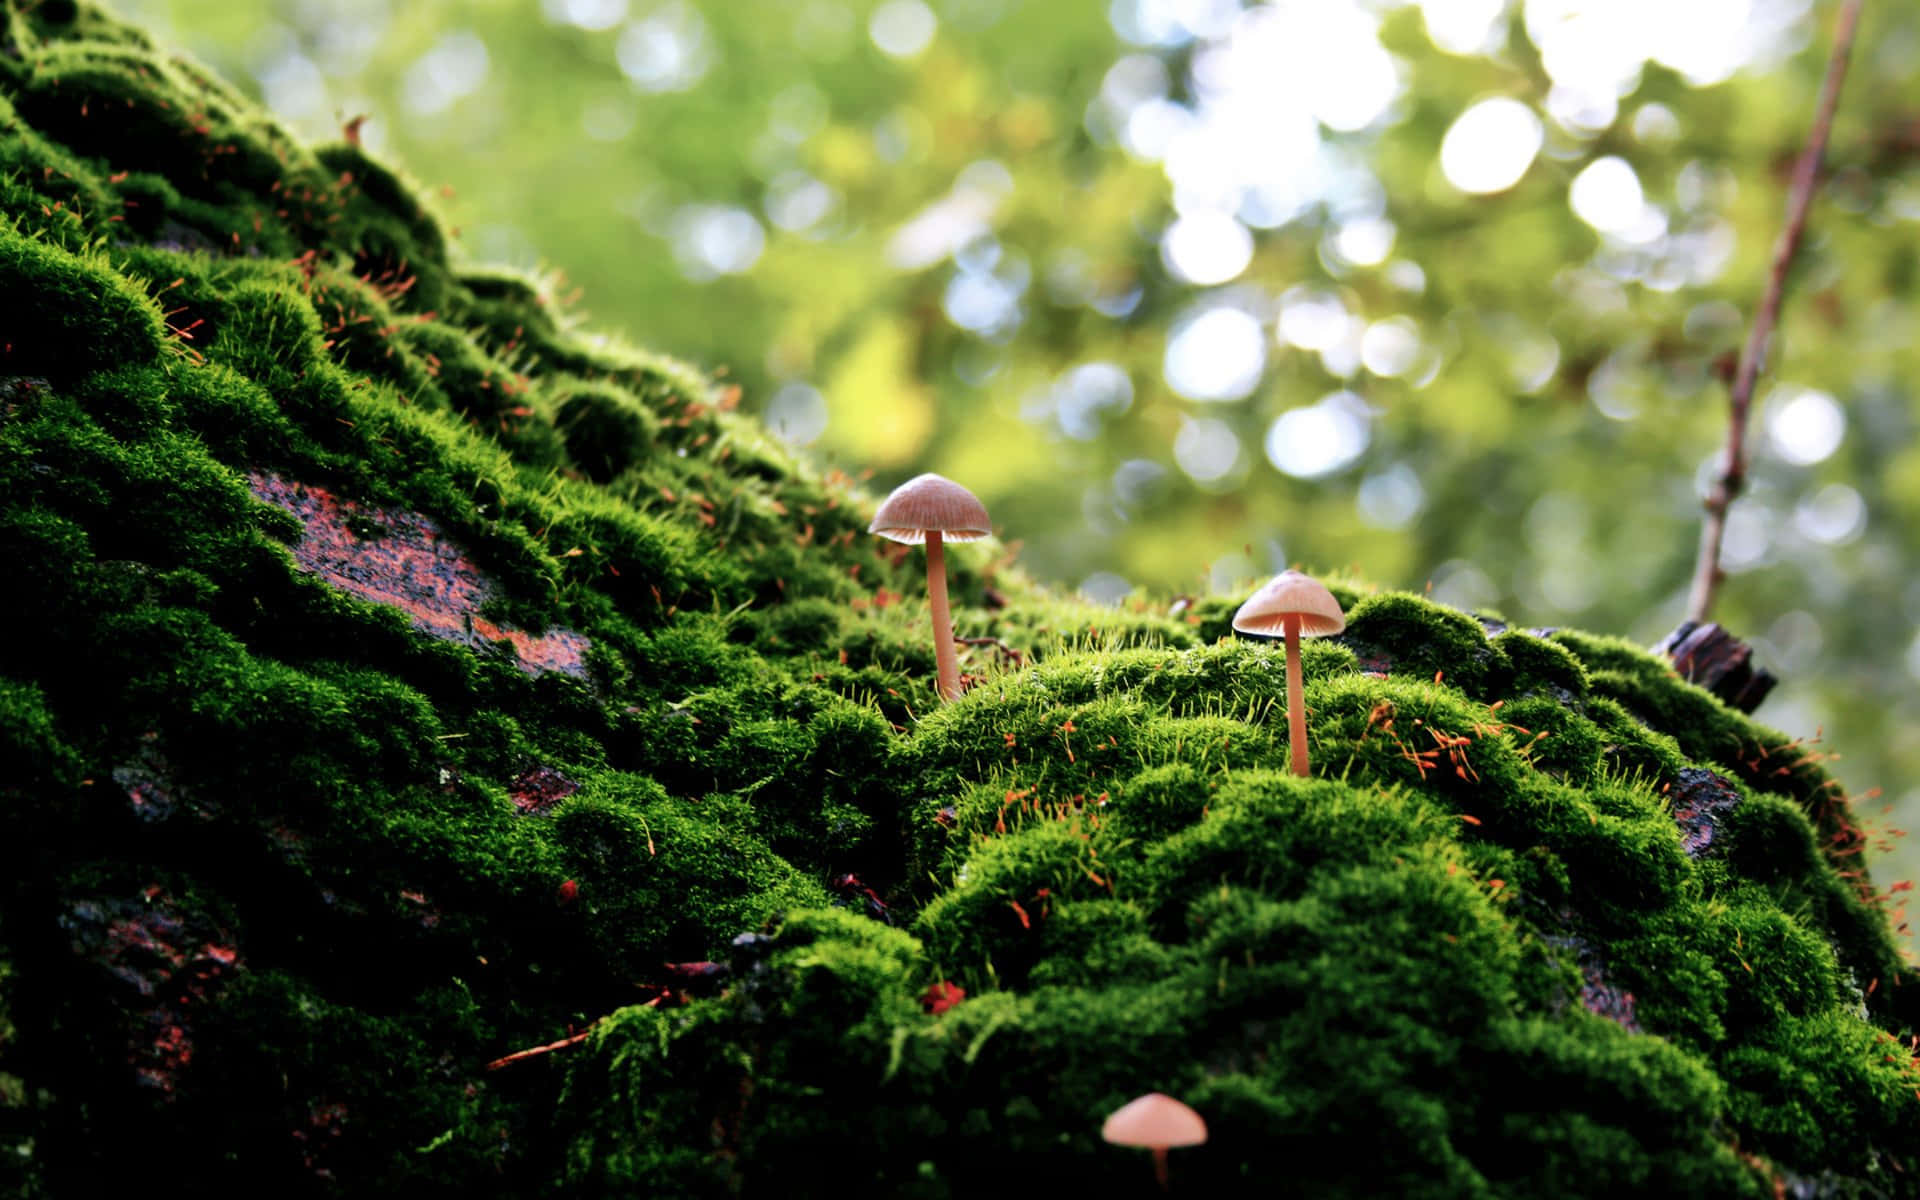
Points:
[[563, 1043], [536, 1051], [1806, 176]]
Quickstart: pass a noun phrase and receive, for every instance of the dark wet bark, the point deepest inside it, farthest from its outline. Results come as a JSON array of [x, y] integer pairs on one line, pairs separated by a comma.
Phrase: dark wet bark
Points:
[[1708, 655]]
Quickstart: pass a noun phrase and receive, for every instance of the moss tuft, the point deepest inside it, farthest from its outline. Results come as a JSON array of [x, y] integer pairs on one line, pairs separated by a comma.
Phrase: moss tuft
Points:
[[84, 316]]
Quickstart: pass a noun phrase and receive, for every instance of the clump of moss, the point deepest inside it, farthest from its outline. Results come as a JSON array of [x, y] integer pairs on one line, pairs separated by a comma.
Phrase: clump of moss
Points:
[[441, 751], [86, 315]]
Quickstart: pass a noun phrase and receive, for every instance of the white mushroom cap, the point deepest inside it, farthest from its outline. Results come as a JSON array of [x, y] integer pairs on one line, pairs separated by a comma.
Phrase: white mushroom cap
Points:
[[1154, 1120], [1291, 593], [931, 502]]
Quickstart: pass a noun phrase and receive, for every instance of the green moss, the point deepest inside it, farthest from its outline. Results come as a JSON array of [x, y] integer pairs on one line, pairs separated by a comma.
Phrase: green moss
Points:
[[1272, 832], [1471, 955], [1416, 637], [606, 431], [379, 188], [39, 774], [85, 316], [125, 106], [1542, 667], [661, 879], [1824, 1093]]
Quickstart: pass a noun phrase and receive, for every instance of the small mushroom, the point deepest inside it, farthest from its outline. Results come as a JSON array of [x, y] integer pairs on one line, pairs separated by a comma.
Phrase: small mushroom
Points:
[[932, 509], [1298, 606], [1158, 1122]]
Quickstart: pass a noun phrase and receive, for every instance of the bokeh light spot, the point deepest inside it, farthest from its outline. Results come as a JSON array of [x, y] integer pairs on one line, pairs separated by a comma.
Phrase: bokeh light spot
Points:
[[1804, 426], [593, 15], [1747, 538], [1216, 354], [797, 414], [1390, 499], [1833, 515], [1086, 394], [1206, 449], [1462, 26], [1390, 348], [1607, 195], [902, 28], [1321, 438], [669, 51], [1105, 587], [1490, 146], [1364, 241], [1312, 320], [1206, 248], [711, 240], [452, 69]]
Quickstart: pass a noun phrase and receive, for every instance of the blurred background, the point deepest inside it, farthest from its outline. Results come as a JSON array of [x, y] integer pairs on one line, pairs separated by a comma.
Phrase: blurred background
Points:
[[1188, 290]]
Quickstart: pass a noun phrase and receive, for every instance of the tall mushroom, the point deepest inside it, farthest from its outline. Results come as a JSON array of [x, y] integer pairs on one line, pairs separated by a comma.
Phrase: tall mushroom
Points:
[[932, 509], [1298, 606], [1157, 1122]]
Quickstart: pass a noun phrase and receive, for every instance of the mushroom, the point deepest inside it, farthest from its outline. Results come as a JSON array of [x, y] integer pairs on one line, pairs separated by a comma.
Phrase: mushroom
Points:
[[932, 509], [1296, 605], [1158, 1122]]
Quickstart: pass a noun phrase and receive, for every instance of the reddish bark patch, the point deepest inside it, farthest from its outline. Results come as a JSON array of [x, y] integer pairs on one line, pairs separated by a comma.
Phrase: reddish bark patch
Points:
[[407, 561], [317, 1137], [536, 790], [169, 960], [420, 908], [149, 784], [1598, 994], [1701, 801], [147, 791]]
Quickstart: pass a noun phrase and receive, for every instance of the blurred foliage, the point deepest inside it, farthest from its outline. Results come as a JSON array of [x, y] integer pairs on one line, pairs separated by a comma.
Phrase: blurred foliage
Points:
[[926, 249]]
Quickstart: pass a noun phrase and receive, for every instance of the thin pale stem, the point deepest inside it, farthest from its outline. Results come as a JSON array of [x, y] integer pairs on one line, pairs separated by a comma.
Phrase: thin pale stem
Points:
[[944, 653], [1296, 700], [1733, 463]]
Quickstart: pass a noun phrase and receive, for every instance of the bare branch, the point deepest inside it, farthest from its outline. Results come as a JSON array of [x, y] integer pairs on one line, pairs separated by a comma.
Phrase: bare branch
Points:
[[1733, 465]]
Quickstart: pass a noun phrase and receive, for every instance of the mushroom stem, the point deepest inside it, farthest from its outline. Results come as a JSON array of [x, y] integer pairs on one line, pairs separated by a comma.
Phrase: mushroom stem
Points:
[[1160, 1167], [943, 650], [1296, 702]]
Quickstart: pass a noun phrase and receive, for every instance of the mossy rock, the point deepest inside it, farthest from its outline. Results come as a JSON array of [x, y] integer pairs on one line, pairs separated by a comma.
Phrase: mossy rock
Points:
[[439, 751]]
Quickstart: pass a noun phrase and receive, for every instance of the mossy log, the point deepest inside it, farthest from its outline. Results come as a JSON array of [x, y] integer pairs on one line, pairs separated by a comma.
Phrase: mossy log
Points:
[[396, 681]]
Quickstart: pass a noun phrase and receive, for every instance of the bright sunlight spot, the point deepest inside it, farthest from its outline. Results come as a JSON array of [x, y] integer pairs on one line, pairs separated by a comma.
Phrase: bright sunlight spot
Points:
[[1206, 449], [1215, 354], [902, 28], [1490, 146], [1607, 196], [1320, 439], [1206, 248], [1804, 426]]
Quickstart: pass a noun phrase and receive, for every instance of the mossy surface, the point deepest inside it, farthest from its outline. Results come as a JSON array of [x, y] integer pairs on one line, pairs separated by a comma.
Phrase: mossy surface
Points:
[[397, 681]]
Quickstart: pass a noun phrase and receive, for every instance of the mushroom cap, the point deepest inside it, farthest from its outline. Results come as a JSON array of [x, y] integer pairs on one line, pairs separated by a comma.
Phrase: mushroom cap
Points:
[[1154, 1120], [1290, 592], [931, 502]]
